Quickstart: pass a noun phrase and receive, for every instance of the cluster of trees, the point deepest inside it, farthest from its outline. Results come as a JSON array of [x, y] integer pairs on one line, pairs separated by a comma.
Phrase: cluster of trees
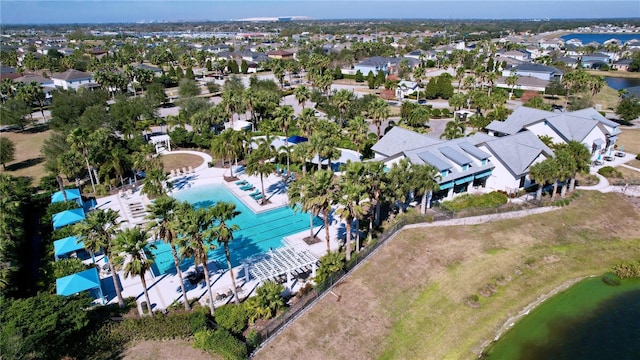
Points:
[[569, 160]]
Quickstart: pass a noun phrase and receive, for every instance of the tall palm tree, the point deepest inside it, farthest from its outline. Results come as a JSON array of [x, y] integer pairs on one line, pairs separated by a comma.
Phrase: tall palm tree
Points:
[[358, 131], [425, 182], [418, 76], [453, 130], [195, 239], [566, 167], [223, 212], [342, 100], [79, 140], [378, 112], [96, 232], [350, 197], [284, 118], [302, 153], [540, 173], [418, 117], [129, 246], [229, 143], [155, 182], [511, 81], [259, 162], [581, 157], [302, 95], [162, 212], [298, 193], [307, 121]]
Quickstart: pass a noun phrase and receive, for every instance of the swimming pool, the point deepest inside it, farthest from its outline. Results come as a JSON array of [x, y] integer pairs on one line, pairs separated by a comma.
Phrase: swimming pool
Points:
[[258, 232]]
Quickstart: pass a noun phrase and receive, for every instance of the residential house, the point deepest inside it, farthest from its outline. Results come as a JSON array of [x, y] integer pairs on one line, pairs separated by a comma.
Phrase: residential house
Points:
[[542, 72], [406, 88], [594, 61], [280, 55], [568, 61], [524, 83], [587, 126], [514, 54], [156, 70], [622, 64], [46, 84], [373, 64], [72, 79]]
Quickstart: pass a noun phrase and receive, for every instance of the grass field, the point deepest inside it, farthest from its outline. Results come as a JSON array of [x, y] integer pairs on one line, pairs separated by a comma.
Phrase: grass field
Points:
[[630, 138], [409, 300], [28, 160], [178, 161]]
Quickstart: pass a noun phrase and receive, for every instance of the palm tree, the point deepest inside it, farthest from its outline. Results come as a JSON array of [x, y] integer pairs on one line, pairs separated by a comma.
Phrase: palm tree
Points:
[[511, 81], [298, 193], [302, 153], [96, 232], [418, 76], [307, 121], [259, 162], [79, 140], [195, 240], [460, 71], [425, 182], [284, 117], [453, 130], [131, 243], [565, 165], [376, 181], [418, 117], [581, 157], [358, 131], [155, 182], [163, 214], [223, 212], [229, 143], [378, 111], [350, 196], [342, 100], [320, 196], [539, 172], [302, 95]]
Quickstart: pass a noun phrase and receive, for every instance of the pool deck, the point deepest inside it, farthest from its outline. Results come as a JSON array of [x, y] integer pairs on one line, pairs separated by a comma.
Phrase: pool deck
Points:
[[165, 289]]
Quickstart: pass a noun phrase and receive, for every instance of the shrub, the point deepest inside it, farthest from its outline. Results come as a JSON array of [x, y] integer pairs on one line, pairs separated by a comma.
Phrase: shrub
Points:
[[436, 113], [473, 301], [611, 279], [199, 319], [609, 172], [253, 340], [465, 201], [160, 327], [627, 269], [329, 265], [445, 113], [232, 317], [222, 343], [638, 157]]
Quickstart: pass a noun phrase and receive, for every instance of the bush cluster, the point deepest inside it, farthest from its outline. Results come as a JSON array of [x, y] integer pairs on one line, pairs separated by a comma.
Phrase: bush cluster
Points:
[[160, 327], [611, 279], [221, 342], [627, 269], [609, 172], [466, 201], [231, 317]]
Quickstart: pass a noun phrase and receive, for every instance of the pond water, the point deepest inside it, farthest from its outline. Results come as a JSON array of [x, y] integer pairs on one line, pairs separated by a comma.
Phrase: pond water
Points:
[[590, 320], [621, 83]]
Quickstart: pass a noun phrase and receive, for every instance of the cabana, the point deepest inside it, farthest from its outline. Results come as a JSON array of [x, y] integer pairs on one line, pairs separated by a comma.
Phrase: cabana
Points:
[[67, 217], [161, 142], [72, 194], [286, 261], [65, 246], [82, 281]]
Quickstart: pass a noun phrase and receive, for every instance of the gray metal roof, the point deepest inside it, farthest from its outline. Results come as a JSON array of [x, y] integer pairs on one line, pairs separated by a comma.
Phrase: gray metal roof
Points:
[[538, 68], [473, 151], [399, 139], [517, 152], [572, 127], [457, 157], [434, 160], [595, 115], [520, 118]]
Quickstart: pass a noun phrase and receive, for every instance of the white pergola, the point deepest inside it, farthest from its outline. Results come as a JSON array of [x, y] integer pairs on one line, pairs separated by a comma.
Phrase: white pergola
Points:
[[161, 142], [286, 260]]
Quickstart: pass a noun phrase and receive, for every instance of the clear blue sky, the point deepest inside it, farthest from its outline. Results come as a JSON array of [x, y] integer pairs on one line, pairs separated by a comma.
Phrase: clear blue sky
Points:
[[104, 11]]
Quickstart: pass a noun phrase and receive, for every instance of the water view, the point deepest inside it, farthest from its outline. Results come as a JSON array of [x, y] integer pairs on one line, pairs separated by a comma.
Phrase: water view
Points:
[[599, 38], [621, 83], [590, 320]]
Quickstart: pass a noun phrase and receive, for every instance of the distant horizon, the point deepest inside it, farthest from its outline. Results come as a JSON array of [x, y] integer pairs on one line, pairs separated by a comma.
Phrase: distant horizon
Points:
[[70, 12]]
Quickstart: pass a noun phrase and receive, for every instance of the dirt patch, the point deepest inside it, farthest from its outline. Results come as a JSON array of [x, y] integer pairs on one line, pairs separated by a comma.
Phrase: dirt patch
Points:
[[630, 139], [28, 161], [179, 161], [171, 349]]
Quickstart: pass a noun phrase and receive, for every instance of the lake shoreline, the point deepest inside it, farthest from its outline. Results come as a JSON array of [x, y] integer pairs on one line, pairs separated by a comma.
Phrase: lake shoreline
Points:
[[511, 321]]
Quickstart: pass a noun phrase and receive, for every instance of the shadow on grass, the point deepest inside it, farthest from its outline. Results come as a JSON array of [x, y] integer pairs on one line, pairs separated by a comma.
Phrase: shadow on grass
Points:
[[24, 164]]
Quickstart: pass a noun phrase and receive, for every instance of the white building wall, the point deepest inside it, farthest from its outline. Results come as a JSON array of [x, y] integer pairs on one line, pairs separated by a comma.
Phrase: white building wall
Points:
[[540, 129], [501, 178]]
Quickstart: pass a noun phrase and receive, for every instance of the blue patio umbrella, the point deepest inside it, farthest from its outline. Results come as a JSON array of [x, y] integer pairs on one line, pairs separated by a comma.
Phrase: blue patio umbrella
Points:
[[599, 157]]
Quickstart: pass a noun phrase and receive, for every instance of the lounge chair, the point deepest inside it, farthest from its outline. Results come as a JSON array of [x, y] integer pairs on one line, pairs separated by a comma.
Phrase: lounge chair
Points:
[[257, 196], [184, 171], [241, 182], [247, 187], [255, 193], [190, 170], [172, 173]]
